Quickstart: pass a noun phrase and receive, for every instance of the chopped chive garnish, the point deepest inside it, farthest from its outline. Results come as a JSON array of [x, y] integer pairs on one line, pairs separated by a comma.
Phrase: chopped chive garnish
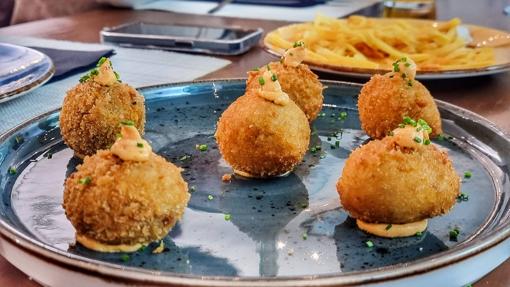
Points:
[[305, 236], [140, 145], [262, 81], [424, 125], [255, 69], [409, 121], [19, 139], [117, 76], [210, 197], [85, 180], [84, 78], [201, 147], [337, 143], [124, 258], [462, 197], [127, 123], [419, 234], [342, 116], [426, 142], [468, 174], [228, 217], [369, 243], [274, 78], [101, 61], [388, 227], [417, 139], [298, 44], [396, 68], [12, 170], [184, 157], [454, 234], [192, 188]]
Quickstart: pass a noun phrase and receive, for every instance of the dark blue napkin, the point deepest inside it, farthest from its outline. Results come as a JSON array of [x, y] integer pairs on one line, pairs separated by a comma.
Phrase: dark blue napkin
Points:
[[70, 62]]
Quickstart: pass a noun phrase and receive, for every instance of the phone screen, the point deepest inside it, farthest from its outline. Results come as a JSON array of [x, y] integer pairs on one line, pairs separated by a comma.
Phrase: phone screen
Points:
[[192, 32]]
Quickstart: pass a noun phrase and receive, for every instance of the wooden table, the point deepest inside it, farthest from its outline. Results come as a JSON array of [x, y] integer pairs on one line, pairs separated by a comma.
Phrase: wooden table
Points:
[[488, 96]]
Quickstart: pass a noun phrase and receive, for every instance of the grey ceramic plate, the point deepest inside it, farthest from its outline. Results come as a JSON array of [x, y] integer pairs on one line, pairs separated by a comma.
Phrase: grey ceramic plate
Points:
[[288, 231], [21, 70]]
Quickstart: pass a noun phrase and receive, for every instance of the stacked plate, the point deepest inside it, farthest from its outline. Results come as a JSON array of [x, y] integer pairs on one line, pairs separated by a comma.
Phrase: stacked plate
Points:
[[22, 70]]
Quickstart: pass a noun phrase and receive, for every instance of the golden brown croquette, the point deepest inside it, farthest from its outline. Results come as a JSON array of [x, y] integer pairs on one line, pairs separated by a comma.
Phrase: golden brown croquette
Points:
[[92, 112], [300, 83], [261, 138], [118, 202], [386, 99], [397, 180]]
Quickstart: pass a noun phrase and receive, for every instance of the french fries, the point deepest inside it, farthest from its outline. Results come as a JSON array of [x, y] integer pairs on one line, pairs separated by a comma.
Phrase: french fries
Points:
[[369, 43]]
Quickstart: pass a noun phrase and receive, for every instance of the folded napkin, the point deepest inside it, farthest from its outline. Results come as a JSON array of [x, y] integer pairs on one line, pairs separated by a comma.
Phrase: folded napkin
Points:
[[69, 62]]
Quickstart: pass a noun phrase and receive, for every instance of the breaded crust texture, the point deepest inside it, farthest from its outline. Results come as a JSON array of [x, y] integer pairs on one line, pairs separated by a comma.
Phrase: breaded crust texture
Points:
[[125, 202], [384, 183], [384, 101], [261, 138], [300, 83], [91, 115]]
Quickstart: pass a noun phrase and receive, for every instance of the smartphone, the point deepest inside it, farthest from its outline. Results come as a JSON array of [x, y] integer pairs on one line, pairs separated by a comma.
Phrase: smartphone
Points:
[[196, 39]]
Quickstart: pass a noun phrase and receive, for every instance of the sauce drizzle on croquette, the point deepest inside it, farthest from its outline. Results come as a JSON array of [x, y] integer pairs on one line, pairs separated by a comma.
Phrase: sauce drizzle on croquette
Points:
[[130, 145], [271, 90], [103, 73], [394, 230], [406, 68], [294, 56]]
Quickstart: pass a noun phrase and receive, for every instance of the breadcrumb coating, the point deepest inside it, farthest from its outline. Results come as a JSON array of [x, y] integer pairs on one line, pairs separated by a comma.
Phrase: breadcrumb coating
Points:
[[385, 182], [125, 202], [91, 115], [261, 138], [300, 83], [386, 99]]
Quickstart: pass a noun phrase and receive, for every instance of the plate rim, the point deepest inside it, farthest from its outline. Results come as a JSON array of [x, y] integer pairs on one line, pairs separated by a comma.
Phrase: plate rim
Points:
[[420, 75], [85, 265]]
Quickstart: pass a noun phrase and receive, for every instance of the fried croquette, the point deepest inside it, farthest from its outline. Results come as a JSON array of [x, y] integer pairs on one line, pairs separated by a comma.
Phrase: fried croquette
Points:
[[386, 99], [261, 138], [399, 179], [298, 81], [119, 205], [92, 111]]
